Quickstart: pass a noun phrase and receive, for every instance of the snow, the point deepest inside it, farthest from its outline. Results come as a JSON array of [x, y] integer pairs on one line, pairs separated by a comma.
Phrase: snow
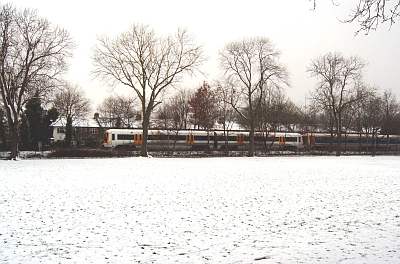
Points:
[[209, 210], [89, 122]]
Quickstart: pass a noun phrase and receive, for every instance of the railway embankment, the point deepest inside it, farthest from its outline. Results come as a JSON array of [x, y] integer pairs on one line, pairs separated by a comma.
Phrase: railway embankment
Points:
[[117, 153]]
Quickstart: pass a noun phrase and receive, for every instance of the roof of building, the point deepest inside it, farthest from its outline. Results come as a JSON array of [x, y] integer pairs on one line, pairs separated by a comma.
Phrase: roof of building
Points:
[[61, 122]]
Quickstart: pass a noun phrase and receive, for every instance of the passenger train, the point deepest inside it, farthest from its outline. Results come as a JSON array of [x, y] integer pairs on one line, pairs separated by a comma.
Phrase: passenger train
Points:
[[200, 140], [352, 142], [239, 140]]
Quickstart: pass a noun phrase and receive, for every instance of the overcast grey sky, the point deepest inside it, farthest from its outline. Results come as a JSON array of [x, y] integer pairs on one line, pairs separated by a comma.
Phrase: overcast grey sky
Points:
[[298, 32]]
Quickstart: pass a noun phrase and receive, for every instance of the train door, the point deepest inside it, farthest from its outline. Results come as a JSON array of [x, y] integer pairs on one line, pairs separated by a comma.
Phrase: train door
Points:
[[138, 139], [312, 140], [240, 139], [190, 139], [106, 138]]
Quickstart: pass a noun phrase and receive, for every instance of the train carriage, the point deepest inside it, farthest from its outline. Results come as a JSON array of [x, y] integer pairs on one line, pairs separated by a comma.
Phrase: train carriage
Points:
[[351, 142], [200, 139]]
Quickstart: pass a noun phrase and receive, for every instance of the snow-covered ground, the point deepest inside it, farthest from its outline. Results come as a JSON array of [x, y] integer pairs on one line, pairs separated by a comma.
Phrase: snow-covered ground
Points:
[[211, 210]]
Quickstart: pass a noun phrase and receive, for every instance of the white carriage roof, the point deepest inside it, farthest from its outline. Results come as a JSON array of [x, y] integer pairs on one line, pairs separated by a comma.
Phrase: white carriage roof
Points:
[[196, 132]]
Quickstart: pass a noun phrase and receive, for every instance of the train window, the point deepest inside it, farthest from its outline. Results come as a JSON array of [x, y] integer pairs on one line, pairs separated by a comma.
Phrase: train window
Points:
[[204, 138], [290, 139], [124, 137], [113, 136], [228, 138], [179, 137], [231, 138], [154, 137]]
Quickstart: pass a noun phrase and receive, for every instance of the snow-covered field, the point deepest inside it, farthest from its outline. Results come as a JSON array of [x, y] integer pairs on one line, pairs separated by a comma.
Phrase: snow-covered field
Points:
[[212, 210]]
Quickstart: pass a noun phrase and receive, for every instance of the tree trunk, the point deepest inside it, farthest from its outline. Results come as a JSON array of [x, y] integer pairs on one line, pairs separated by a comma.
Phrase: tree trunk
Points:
[[374, 138], [176, 136], [251, 140], [339, 137], [208, 139], [226, 138], [68, 132], [265, 137], [145, 127], [14, 131], [3, 138], [331, 141], [387, 142], [339, 143]]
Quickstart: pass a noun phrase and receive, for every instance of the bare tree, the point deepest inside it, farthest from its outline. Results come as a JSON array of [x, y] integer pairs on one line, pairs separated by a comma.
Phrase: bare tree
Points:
[[72, 106], [226, 114], [179, 110], [374, 115], [369, 14], [284, 114], [117, 111], [164, 116], [276, 112], [175, 113], [339, 87], [391, 109], [251, 66], [148, 64], [367, 116], [3, 128], [32, 55]]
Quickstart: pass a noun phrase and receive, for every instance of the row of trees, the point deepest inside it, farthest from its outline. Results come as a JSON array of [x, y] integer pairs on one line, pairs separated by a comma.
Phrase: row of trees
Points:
[[68, 104], [347, 103], [252, 86], [210, 107], [149, 65], [33, 55]]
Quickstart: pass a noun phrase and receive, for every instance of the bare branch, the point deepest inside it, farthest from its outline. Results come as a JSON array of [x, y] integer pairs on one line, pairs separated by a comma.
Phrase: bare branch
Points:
[[369, 14], [251, 67], [32, 55], [146, 63]]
